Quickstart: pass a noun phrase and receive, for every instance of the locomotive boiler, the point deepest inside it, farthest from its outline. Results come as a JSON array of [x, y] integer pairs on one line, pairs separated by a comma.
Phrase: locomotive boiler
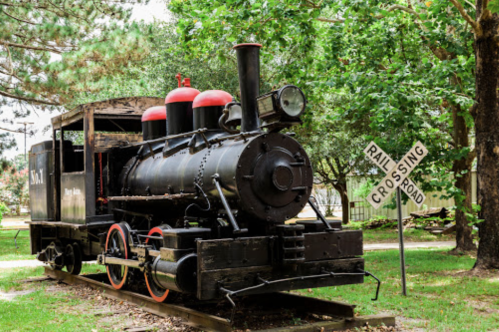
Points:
[[192, 197]]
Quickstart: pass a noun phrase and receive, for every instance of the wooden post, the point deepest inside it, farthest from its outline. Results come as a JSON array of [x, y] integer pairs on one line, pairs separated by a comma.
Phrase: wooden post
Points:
[[88, 125], [56, 177]]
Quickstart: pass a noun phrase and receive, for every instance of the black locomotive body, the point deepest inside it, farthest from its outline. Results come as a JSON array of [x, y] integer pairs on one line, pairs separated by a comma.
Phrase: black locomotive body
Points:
[[181, 197]]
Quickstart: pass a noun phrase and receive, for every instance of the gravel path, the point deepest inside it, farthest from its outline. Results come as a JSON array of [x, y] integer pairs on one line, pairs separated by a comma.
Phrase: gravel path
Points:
[[409, 245]]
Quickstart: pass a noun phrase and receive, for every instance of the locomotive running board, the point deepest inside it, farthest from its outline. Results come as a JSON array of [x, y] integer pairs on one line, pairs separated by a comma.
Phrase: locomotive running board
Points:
[[344, 312]]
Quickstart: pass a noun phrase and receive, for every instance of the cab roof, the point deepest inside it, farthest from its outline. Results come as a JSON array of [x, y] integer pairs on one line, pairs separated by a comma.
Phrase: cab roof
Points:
[[119, 114]]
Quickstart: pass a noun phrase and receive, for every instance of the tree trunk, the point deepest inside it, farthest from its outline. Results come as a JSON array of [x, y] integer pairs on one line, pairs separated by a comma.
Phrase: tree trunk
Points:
[[341, 187], [464, 239], [487, 138], [345, 217]]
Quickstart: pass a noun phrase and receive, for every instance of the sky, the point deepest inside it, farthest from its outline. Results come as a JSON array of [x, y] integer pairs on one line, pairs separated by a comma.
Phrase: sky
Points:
[[155, 9]]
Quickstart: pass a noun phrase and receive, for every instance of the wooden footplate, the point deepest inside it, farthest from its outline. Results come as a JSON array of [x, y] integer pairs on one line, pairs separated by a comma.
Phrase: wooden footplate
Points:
[[341, 315]]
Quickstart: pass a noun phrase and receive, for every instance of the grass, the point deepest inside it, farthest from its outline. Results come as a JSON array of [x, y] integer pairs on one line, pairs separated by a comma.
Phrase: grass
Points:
[[439, 299], [388, 235], [8, 251], [41, 310]]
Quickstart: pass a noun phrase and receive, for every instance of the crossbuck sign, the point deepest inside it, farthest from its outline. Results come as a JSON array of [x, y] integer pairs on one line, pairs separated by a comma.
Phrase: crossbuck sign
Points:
[[396, 174]]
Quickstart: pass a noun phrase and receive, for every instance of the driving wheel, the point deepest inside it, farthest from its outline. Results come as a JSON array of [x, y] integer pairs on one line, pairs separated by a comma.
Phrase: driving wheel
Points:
[[117, 246]]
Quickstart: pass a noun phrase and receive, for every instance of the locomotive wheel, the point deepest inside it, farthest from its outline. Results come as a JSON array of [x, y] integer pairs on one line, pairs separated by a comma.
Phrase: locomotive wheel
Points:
[[51, 252], [117, 246], [159, 294], [72, 258]]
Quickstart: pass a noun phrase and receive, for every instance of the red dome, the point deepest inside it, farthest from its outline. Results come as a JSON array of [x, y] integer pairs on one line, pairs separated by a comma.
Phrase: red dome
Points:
[[212, 98], [154, 113], [181, 95]]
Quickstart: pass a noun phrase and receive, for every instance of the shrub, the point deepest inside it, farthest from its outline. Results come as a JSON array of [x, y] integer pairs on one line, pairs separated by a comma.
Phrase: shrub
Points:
[[3, 209]]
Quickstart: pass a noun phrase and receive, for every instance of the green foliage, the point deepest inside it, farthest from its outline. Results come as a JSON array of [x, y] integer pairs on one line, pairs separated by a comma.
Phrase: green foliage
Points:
[[155, 75], [398, 72], [3, 209], [20, 161], [14, 190], [8, 251], [52, 49], [493, 6]]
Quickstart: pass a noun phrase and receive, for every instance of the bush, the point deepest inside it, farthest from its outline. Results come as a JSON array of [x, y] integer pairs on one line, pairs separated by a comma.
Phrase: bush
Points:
[[3, 209]]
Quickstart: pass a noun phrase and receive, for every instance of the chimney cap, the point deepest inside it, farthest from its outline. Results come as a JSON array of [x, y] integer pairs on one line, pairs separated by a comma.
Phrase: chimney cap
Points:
[[245, 45]]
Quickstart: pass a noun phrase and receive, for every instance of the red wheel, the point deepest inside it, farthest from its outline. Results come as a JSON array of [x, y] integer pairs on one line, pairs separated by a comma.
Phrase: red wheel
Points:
[[117, 246], [158, 293]]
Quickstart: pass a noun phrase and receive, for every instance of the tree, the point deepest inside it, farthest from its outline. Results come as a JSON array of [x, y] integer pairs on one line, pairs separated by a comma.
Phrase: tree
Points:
[[335, 148], [14, 188], [19, 162], [415, 71], [51, 49], [404, 64], [485, 27], [155, 74]]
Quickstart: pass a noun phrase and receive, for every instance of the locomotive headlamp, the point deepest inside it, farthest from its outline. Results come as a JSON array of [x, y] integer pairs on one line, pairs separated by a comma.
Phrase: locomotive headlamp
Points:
[[288, 102], [292, 100]]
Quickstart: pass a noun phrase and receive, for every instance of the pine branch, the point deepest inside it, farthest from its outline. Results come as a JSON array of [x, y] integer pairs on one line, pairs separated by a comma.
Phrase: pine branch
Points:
[[34, 100], [17, 19], [31, 47]]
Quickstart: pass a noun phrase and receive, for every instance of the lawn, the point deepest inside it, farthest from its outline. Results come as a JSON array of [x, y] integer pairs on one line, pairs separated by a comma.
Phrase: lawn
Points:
[[43, 309], [388, 235], [440, 295], [8, 251]]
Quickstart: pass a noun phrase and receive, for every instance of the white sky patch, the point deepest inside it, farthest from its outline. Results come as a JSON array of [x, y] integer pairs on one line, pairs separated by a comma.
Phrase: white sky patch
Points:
[[154, 10]]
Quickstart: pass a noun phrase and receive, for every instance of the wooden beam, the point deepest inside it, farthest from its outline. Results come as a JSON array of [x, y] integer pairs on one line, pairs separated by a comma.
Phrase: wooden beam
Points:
[[89, 157]]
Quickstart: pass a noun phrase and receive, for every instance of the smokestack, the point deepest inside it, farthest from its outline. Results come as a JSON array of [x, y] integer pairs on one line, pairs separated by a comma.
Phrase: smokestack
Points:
[[248, 67]]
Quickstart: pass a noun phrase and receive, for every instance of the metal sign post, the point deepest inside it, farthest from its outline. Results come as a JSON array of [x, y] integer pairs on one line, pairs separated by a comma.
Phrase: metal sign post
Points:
[[396, 179], [401, 242]]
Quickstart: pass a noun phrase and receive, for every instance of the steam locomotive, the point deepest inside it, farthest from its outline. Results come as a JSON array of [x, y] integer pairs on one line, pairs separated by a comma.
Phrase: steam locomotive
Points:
[[190, 197]]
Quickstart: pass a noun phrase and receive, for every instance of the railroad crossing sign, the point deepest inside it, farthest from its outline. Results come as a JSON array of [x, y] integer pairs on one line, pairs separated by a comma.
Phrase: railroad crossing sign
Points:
[[396, 174], [397, 178]]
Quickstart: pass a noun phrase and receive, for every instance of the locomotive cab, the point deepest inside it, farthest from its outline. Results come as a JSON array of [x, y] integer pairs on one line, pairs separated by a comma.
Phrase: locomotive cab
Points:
[[69, 186]]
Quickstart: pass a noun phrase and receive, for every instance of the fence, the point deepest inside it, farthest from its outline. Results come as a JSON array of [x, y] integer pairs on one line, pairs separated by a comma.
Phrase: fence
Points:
[[362, 208]]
